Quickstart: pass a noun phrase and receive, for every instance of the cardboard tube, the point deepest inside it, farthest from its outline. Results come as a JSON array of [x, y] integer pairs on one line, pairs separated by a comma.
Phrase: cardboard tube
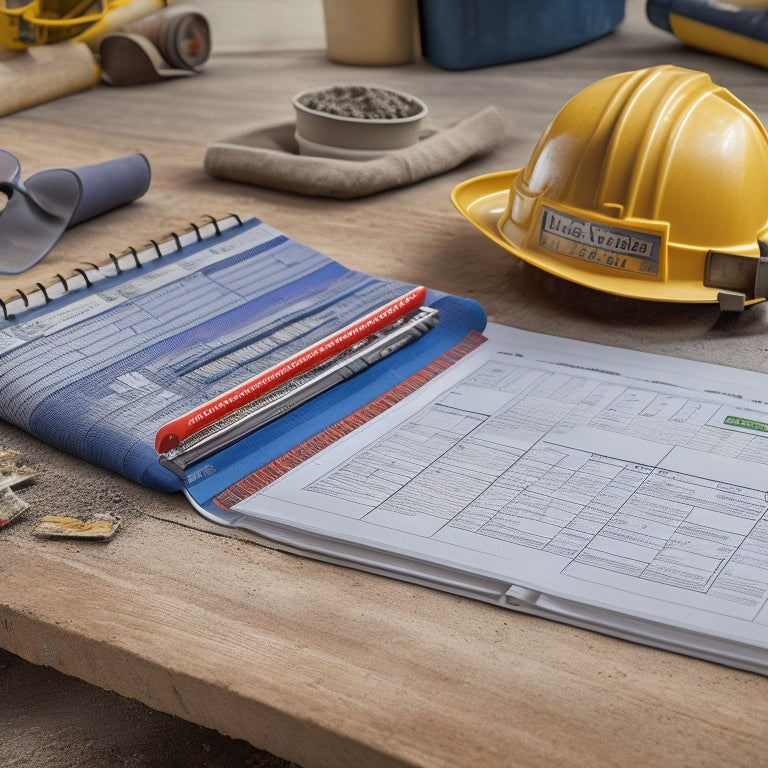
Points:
[[44, 73]]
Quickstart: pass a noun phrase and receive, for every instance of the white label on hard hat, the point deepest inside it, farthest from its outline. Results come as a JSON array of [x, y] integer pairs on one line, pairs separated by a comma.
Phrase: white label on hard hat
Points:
[[628, 250]]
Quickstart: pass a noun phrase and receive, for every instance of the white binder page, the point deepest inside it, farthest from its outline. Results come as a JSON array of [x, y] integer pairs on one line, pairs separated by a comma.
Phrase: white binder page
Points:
[[630, 482]]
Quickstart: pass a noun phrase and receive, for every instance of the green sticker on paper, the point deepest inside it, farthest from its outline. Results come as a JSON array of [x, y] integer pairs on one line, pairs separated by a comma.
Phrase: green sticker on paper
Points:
[[738, 421]]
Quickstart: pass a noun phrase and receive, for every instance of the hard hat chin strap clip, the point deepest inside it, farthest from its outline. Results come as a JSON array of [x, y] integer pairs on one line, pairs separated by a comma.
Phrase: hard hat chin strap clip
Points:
[[741, 279]]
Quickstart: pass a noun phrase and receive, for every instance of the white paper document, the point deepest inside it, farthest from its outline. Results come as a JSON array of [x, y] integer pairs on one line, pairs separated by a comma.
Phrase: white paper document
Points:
[[611, 489]]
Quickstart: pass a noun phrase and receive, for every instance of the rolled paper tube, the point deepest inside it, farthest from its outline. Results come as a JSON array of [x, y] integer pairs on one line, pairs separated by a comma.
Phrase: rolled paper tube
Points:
[[110, 184], [44, 73], [35, 216], [10, 168], [38, 211]]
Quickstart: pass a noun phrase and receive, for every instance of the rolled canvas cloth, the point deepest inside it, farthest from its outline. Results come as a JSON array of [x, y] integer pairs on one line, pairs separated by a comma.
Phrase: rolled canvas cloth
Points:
[[268, 157], [130, 59], [45, 72], [173, 42]]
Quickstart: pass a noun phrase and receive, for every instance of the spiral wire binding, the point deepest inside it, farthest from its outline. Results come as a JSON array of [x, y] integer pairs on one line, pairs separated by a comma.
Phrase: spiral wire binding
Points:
[[155, 246], [88, 283], [43, 290]]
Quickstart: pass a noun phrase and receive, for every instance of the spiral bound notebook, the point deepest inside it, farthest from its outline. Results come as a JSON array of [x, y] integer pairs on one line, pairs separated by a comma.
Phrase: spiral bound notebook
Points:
[[96, 362], [613, 490], [43, 284]]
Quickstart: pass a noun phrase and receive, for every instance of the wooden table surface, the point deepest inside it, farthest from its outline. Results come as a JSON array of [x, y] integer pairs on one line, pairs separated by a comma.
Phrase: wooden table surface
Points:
[[323, 665]]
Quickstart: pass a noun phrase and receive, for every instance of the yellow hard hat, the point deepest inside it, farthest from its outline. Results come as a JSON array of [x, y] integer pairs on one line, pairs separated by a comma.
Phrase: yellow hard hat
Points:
[[650, 184]]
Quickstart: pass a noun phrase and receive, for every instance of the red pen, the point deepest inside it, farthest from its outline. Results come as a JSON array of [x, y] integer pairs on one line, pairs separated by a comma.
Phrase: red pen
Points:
[[171, 434]]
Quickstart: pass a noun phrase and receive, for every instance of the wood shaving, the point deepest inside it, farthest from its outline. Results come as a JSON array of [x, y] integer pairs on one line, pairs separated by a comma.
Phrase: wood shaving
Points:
[[97, 526]]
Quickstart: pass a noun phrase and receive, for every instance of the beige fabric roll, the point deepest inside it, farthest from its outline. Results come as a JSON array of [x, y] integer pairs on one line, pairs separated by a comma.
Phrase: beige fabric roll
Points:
[[45, 72], [268, 157]]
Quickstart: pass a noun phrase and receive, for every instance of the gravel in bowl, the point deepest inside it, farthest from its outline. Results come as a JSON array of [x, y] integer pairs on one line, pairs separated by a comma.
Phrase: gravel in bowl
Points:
[[356, 121]]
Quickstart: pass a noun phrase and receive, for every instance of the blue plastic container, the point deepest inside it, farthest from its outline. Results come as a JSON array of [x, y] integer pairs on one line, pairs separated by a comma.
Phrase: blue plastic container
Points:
[[465, 34]]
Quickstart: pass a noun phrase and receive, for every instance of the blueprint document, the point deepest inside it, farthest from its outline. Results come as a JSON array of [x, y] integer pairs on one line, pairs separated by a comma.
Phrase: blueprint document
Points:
[[614, 490]]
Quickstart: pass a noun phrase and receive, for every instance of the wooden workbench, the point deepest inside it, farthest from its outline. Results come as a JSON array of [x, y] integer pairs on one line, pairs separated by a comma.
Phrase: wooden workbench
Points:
[[319, 664]]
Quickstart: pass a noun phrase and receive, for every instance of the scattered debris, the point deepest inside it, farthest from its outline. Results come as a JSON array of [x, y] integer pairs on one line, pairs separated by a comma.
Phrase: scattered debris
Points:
[[100, 526], [11, 506], [13, 469]]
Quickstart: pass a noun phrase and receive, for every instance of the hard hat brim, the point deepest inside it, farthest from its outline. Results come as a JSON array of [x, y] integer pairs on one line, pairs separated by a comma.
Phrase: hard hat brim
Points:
[[483, 201]]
